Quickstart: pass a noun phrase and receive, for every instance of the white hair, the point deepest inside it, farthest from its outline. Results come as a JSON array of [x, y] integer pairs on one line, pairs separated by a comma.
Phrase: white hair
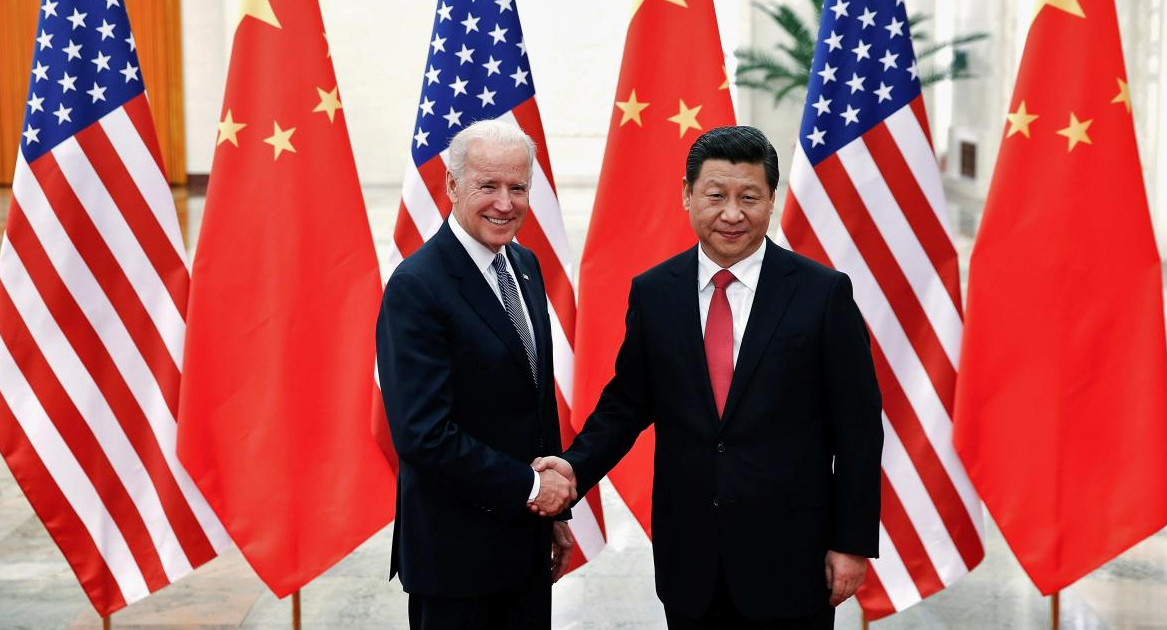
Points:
[[494, 131]]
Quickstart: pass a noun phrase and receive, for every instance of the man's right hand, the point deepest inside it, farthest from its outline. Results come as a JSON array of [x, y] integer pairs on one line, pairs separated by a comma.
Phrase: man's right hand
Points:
[[556, 492], [551, 463]]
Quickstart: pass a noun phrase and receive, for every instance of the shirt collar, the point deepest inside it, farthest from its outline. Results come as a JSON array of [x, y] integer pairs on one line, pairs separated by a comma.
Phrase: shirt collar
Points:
[[747, 270], [479, 253]]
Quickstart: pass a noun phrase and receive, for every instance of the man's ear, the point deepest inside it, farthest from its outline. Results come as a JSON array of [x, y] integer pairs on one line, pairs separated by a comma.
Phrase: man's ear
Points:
[[451, 187], [686, 193]]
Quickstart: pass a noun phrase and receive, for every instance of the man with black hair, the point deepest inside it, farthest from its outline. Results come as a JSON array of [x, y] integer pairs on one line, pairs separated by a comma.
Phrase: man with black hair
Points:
[[754, 365]]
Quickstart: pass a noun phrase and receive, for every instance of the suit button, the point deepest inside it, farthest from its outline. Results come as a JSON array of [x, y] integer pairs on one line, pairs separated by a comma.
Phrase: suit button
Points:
[[721, 447], [716, 503]]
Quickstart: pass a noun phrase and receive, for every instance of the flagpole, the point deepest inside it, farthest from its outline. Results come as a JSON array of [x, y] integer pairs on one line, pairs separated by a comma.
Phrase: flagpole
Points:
[[296, 610], [105, 623], [1055, 610], [866, 625]]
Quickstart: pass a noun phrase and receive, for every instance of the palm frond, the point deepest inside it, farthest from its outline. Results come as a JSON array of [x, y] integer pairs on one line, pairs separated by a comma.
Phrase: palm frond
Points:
[[752, 60], [790, 87], [785, 70]]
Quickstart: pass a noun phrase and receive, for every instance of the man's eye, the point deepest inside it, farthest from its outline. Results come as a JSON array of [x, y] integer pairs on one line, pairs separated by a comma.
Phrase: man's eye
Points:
[[487, 188]]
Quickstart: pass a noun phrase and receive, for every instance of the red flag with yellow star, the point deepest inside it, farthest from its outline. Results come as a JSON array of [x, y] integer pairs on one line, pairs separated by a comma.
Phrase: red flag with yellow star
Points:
[[1061, 403], [672, 87], [278, 391]]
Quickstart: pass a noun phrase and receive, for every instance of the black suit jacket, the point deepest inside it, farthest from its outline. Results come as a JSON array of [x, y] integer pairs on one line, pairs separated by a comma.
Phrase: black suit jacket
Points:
[[754, 492], [467, 419]]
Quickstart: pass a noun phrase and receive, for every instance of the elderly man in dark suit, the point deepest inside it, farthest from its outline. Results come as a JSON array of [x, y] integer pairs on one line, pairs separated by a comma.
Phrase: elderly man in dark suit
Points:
[[755, 367], [464, 353]]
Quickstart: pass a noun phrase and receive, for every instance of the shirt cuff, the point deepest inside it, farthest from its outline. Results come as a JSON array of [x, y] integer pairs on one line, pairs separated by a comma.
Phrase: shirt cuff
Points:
[[534, 488]]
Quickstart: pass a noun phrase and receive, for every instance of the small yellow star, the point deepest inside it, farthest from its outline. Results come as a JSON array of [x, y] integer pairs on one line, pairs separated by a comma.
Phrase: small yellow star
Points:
[[228, 130], [1019, 121], [327, 45], [631, 109], [687, 118], [329, 103], [1076, 132], [258, 9], [1069, 6], [636, 4], [1123, 96], [725, 84], [281, 139]]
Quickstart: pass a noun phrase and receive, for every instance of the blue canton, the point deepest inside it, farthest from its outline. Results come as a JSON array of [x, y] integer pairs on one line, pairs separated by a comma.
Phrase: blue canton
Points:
[[85, 65], [864, 70], [477, 69]]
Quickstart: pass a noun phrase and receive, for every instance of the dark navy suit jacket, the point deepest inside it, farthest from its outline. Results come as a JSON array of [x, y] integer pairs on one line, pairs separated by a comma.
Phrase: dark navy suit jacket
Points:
[[467, 419], [790, 471]]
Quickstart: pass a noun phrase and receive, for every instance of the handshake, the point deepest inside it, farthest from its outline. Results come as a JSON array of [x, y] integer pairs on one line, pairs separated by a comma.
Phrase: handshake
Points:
[[556, 486]]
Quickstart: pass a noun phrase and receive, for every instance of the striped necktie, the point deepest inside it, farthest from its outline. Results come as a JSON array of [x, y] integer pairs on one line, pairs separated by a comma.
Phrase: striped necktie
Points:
[[510, 301]]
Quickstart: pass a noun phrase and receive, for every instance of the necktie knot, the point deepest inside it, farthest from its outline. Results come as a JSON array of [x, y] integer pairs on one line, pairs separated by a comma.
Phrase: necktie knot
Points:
[[500, 263], [723, 279]]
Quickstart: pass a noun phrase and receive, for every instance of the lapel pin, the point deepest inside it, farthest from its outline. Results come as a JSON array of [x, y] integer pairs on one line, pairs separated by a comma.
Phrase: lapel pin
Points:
[[525, 277]]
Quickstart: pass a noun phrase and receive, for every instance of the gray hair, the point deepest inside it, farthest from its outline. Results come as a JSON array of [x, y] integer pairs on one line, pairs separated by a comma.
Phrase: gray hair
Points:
[[494, 131]]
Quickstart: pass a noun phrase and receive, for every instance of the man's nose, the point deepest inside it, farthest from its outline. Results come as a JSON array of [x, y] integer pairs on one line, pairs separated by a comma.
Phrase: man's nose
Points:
[[504, 200], [732, 212]]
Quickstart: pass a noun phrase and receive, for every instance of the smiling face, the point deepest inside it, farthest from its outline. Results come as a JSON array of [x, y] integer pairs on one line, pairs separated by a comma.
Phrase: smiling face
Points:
[[492, 199], [729, 208]]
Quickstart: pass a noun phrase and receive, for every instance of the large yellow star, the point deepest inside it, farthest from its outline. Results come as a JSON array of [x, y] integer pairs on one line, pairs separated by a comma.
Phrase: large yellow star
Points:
[[1076, 132], [1019, 121], [258, 9], [631, 109], [227, 130], [1123, 96], [281, 139], [329, 102], [1069, 6], [687, 118], [636, 4], [725, 84]]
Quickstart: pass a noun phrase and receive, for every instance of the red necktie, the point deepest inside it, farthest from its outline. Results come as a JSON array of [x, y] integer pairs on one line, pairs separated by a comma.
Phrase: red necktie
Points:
[[719, 340]]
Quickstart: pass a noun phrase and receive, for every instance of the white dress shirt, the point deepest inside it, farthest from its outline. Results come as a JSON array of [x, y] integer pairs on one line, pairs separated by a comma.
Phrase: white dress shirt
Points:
[[740, 293], [484, 259]]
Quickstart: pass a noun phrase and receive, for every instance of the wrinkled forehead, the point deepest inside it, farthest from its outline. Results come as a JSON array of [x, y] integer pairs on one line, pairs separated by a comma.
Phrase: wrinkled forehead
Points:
[[487, 154]]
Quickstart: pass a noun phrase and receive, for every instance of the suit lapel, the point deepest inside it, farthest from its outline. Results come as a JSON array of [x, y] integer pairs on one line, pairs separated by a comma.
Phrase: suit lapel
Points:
[[776, 288], [688, 322], [478, 293]]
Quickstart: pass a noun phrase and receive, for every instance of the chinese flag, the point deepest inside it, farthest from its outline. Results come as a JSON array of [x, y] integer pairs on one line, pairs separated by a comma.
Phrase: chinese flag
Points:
[[1061, 405], [278, 389], [672, 88]]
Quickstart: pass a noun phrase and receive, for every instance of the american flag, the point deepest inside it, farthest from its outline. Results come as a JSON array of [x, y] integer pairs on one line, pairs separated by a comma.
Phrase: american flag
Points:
[[477, 68], [93, 290], [866, 198]]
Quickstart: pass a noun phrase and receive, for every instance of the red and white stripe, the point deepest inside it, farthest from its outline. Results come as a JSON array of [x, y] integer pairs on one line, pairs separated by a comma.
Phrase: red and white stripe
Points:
[[93, 288], [424, 206], [876, 211]]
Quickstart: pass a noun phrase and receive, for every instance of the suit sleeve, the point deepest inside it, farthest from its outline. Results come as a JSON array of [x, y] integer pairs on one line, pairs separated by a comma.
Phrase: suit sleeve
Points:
[[622, 412], [853, 405], [415, 365]]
